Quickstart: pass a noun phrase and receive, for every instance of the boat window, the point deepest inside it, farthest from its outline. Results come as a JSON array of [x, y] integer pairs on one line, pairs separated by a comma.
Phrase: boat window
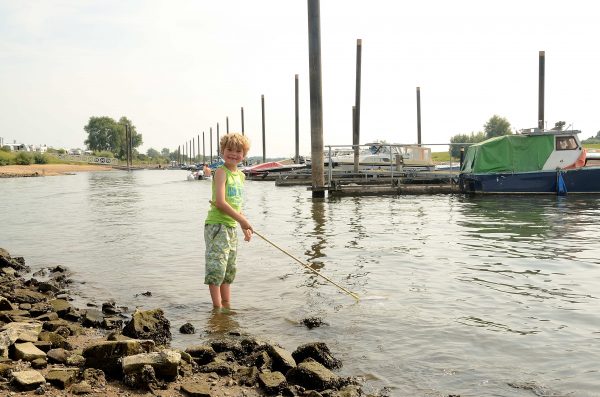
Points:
[[566, 143]]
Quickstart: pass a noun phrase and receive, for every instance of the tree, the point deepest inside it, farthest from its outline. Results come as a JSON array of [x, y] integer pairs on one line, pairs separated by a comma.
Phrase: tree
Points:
[[165, 152], [105, 134], [559, 126], [466, 139], [497, 126], [153, 153]]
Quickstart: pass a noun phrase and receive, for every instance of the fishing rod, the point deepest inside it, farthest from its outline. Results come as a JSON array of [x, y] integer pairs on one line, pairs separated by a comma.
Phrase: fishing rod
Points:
[[352, 294]]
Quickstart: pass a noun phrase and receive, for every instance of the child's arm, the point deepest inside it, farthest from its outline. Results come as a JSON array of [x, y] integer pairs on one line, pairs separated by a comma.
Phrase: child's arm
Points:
[[224, 206]]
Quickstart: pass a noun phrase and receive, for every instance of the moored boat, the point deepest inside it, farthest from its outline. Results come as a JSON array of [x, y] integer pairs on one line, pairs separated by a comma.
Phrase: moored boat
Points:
[[533, 161]]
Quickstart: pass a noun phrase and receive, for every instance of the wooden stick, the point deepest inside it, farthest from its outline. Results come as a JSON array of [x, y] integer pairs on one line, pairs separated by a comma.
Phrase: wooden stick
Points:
[[352, 294]]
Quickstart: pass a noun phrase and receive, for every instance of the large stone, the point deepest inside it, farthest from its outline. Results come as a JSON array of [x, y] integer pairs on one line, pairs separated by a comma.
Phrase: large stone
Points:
[[318, 351], [28, 380], [53, 325], [202, 354], [55, 339], [272, 382], [61, 377], [165, 363], [58, 356], [22, 332], [282, 359], [23, 295], [5, 304], [312, 375], [92, 318], [28, 352], [61, 306], [150, 324], [107, 355]]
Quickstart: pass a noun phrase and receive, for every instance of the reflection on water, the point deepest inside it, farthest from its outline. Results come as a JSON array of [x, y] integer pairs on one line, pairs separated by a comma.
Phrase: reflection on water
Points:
[[221, 322], [469, 295]]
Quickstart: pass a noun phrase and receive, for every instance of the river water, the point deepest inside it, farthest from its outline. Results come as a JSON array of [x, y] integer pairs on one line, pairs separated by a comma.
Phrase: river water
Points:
[[477, 296]]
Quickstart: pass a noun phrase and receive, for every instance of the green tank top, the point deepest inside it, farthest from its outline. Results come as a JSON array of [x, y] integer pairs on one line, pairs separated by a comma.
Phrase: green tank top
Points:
[[234, 192]]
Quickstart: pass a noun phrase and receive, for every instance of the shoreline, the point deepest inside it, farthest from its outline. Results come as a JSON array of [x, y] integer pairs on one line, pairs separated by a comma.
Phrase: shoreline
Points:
[[36, 170], [74, 351]]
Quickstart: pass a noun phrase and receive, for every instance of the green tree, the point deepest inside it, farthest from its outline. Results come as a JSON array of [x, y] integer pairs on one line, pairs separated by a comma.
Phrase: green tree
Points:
[[153, 153], [466, 139], [497, 126], [165, 152], [559, 126], [105, 134]]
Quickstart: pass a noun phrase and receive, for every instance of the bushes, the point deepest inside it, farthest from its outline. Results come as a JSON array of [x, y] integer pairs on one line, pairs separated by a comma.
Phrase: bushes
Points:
[[23, 158], [40, 158]]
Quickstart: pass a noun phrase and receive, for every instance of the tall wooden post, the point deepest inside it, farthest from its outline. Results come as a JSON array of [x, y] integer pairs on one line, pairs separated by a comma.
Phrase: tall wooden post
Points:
[[355, 139], [203, 149], [179, 155], [316, 98], [542, 76], [210, 141], [262, 105], [199, 149], [227, 124], [356, 129], [297, 124], [218, 141], [419, 116], [127, 143], [242, 120]]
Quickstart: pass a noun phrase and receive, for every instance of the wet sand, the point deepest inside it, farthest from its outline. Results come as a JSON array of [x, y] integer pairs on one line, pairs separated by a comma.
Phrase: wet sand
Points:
[[9, 171]]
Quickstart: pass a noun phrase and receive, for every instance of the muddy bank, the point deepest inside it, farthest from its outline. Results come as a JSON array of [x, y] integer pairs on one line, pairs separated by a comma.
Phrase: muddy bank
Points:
[[49, 347]]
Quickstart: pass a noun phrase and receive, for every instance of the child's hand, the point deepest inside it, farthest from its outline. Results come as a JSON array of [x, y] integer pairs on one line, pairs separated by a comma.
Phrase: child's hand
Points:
[[247, 229]]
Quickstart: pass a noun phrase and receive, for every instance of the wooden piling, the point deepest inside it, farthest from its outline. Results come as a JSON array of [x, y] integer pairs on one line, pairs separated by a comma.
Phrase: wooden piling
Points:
[[242, 120], [203, 150], [210, 146], [356, 118], [227, 124], [541, 83], [218, 141], [297, 123], [316, 99], [419, 116], [262, 104]]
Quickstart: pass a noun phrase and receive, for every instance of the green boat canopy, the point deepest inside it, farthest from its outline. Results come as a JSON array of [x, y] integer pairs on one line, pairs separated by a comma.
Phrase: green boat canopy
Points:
[[509, 153]]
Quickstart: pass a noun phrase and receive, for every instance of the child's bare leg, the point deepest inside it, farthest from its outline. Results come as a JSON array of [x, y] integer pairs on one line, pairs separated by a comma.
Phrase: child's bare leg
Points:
[[225, 293], [215, 295]]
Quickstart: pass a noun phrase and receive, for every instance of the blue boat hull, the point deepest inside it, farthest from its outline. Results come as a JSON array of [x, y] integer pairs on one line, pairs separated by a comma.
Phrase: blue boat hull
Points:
[[580, 180]]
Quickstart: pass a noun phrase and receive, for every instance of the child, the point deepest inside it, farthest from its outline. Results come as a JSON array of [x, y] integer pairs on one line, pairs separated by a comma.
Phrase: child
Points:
[[220, 234]]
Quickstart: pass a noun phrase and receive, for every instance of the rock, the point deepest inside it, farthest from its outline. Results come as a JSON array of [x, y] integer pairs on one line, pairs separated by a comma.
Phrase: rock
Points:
[[150, 324], [165, 363], [92, 318], [53, 325], [112, 323], [202, 354], [81, 388], [39, 363], [28, 380], [58, 356], [272, 382], [348, 391], [228, 345], [107, 355], [76, 360], [110, 307], [283, 360], [6, 369], [312, 375], [55, 339], [44, 346], [52, 316], [60, 306], [61, 378], [94, 377], [312, 322], [187, 329], [196, 389], [247, 376], [5, 304], [319, 352], [28, 352], [22, 295], [48, 286], [22, 332], [219, 367], [143, 379]]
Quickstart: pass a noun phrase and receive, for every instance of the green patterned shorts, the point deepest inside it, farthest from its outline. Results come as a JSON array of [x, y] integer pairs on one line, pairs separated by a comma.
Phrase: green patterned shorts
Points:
[[221, 252]]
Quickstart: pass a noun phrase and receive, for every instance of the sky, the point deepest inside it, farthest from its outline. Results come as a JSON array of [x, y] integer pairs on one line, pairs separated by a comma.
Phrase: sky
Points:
[[177, 68]]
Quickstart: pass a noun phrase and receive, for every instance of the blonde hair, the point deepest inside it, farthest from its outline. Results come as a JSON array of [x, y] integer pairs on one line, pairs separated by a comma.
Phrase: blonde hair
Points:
[[234, 141]]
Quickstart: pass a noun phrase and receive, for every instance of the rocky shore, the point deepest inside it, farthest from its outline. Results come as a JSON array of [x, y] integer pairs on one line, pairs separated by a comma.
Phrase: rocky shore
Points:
[[49, 347], [34, 170]]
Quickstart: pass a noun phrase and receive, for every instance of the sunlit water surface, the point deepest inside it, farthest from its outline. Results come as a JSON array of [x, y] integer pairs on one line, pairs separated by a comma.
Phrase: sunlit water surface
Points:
[[471, 296]]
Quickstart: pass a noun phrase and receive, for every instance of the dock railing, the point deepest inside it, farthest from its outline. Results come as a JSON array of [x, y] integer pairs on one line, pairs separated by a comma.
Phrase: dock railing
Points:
[[396, 166]]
